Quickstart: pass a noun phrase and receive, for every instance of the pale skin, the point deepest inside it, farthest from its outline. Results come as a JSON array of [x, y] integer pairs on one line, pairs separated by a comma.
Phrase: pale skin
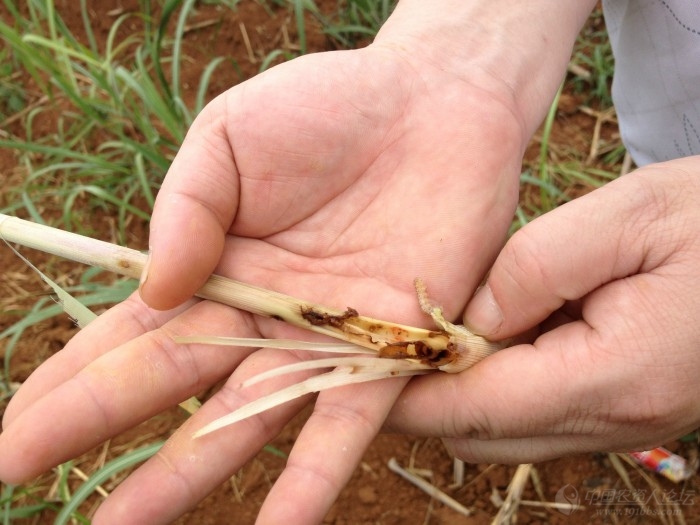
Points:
[[340, 178], [613, 278]]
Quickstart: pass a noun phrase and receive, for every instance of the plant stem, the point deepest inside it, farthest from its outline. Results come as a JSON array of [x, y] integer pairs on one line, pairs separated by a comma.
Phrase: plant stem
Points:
[[389, 339]]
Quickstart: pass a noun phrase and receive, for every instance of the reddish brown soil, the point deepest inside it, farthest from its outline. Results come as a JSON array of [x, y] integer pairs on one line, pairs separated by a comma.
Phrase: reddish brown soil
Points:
[[375, 495]]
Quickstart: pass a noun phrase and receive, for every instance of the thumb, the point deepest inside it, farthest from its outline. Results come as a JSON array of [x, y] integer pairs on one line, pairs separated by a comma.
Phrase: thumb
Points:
[[194, 209], [563, 255]]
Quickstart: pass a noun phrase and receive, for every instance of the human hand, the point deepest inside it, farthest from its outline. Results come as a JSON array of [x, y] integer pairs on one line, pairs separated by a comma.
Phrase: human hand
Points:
[[614, 278], [337, 178]]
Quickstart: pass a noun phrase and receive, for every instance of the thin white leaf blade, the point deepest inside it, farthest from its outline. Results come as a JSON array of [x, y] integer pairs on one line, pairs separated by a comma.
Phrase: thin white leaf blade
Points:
[[80, 313], [338, 377], [376, 364], [280, 344]]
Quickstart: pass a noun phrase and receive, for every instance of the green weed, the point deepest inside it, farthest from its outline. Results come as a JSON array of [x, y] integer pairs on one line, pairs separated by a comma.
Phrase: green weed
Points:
[[12, 95], [356, 21], [593, 54], [119, 118]]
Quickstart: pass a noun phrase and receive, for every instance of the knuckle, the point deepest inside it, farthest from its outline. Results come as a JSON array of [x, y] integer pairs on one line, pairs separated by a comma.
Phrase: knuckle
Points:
[[345, 416], [527, 258], [174, 363], [314, 474], [472, 419], [526, 272], [230, 398]]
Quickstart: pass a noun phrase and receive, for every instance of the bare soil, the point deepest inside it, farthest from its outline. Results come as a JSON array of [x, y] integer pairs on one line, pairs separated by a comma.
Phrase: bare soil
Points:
[[374, 495]]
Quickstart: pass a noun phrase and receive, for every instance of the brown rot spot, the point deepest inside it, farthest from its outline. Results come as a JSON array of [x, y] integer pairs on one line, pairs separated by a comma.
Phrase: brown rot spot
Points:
[[123, 264], [420, 351], [316, 318], [399, 333], [394, 351]]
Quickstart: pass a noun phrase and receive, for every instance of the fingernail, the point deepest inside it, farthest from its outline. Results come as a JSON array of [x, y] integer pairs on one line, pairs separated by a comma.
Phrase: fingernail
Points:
[[483, 315], [144, 272]]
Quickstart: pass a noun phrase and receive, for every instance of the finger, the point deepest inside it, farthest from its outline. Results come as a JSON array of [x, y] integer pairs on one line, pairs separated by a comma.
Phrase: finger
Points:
[[124, 322], [544, 448], [328, 450], [118, 390], [519, 392], [564, 255], [194, 210], [522, 450], [187, 469]]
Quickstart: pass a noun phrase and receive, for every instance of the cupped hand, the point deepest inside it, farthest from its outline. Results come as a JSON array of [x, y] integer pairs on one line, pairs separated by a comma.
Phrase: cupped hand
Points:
[[614, 279], [337, 178]]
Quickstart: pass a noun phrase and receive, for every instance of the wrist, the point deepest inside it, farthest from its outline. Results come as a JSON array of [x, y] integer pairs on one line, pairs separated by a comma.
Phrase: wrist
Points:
[[517, 52]]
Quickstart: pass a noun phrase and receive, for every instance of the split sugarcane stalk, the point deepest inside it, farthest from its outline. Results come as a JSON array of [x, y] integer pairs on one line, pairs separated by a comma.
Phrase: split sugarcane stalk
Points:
[[411, 350]]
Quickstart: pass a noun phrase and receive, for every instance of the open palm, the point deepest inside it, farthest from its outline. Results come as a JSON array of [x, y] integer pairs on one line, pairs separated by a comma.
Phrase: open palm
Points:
[[337, 178]]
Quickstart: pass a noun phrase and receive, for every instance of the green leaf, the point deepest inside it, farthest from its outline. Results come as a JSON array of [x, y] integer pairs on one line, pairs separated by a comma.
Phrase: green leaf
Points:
[[110, 469]]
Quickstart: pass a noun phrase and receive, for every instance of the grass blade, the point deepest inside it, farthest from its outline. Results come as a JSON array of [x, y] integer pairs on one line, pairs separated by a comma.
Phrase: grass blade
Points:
[[110, 470]]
